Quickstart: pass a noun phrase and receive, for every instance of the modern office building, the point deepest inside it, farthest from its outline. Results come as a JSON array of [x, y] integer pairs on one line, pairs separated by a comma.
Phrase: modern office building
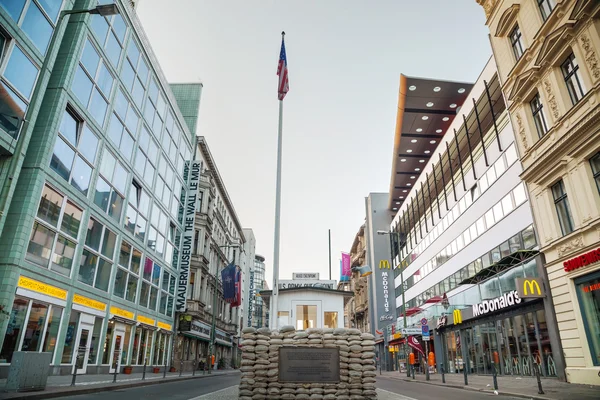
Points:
[[218, 242], [248, 293], [547, 53], [94, 147], [466, 233], [256, 308]]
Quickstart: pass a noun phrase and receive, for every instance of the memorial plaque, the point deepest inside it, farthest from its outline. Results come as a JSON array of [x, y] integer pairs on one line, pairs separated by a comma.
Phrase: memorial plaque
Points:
[[309, 364]]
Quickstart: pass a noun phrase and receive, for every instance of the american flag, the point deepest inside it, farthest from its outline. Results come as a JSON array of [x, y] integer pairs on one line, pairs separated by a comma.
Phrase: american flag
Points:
[[282, 72]]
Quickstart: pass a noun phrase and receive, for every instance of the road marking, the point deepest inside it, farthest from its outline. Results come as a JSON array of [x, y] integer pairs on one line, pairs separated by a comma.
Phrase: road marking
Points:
[[395, 395], [231, 390]]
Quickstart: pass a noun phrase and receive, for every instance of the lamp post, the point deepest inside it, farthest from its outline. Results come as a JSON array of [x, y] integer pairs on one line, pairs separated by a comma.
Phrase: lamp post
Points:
[[211, 347], [397, 235]]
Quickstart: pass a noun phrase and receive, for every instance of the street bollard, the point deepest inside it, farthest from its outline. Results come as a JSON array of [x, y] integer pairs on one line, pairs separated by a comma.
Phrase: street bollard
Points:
[[75, 370], [494, 376], [465, 374], [195, 365], [115, 373], [539, 381], [165, 370], [426, 371], [144, 372], [379, 367], [443, 375], [413, 372], [180, 367]]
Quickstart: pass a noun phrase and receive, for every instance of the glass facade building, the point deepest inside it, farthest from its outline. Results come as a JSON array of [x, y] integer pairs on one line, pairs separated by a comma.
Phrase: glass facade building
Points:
[[92, 227], [257, 276]]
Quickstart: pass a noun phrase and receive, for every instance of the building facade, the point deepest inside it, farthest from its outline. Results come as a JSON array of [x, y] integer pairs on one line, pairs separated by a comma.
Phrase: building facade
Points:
[[248, 255], [468, 245], [218, 242], [547, 54], [257, 309], [94, 148], [356, 311]]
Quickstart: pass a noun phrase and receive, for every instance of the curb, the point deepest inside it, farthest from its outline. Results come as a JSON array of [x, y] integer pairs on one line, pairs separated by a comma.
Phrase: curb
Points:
[[474, 389], [48, 394]]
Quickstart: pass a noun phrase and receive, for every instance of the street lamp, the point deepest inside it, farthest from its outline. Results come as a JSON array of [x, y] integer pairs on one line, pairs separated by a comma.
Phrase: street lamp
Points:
[[397, 236], [363, 271], [212, 346]]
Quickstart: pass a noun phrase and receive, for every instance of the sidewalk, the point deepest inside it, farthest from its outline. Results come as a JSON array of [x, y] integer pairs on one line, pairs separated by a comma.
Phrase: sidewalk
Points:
[[58, 386], [525, 387]]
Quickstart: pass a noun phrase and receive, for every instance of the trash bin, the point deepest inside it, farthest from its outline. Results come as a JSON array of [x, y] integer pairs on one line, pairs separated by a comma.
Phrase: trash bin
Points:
[[28, 371]]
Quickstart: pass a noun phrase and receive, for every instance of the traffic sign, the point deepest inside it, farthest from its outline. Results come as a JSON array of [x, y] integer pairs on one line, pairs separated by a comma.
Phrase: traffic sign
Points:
[[411, 331], [423, 321], [426, 337], [425, 330]]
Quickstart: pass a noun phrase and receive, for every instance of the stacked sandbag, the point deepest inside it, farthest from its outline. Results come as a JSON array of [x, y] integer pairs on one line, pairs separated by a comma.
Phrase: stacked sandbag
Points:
[[368, 366], [248, 379]]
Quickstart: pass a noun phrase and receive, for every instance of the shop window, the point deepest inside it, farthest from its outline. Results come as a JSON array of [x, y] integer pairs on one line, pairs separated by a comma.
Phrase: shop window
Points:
[[537, 110], [516, 42], [595, 164], [572, 76], [70, 337], [93, 83], [74, 152], [588, 294], [330, 319], [97, 258], [563, 211], [95, 342], [126, 280], [546, 7], [111, 184], [54, 235]]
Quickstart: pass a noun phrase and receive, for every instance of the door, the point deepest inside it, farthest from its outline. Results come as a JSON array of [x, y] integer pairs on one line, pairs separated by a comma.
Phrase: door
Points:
[[83, 340], [116, 347], [307, 314]]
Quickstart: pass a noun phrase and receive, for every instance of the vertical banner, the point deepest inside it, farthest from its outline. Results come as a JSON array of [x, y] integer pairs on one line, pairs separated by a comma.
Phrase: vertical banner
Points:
[[192, 177], [342, 277], [251, 298], [346, 269], [228, 278]]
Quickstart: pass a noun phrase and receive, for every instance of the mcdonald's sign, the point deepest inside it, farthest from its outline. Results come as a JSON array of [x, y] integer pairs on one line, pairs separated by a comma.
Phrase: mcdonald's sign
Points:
[[457, 317], [532, 288], [384, 264]]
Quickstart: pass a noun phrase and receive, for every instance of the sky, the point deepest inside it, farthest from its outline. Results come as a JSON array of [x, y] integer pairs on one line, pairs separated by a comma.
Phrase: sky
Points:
[[345, 59]]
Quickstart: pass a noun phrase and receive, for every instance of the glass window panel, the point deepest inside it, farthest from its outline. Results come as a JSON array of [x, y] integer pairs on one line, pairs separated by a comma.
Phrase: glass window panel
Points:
[[82, 86], [163, 303], [136, 260], [94, 234], [124, 254], [132, 284], [100, 27], [49, 341], [120, 283], [511, 155], [62, 158], [132, 121], [37, 27], [127, 75], [13, 8], [88, 143], [153, 298], [148, 264], [127, 144], [50, 205], [172, 285], [113, 50], [70, 338], [156, 274], [138, 93], [81, 176], [102, 194], [119, 27], [71, 220], [21, 72], [144, 202], [141, 228], [152, 152], [130, 219], [35, 327], [40, 245], [87, 267], [98, 107], [144, 138], [62, 258], [133, 52], [90, 58], [499, 167], [52, 7], [507, 204], [519, 193], [528, 237], [68, 128], [143, 71], [144, 294], [116, 205], [107, 168], [140, 162], [103, 275], [149, 173], [109, 244], [480, 226], [120, 178], [498, 214], [152, 238], [115, 130], [104, 80], [165, 281], [149, 113], [160, 244]]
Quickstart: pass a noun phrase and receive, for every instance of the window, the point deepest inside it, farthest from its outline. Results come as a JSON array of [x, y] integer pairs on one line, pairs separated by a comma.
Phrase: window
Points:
[[167, 293], [97, 258], [74, 152], [546, 7], [330, 319], [122, 130], [306, 317], [516, 42], [134, 73], [563, 210], [126, 280], [159, 225], [537, 109], [137, 211], [110, 187], [93, 82], [588, 294], [595, 164], [32, 326], [18, 80], [570, 70], [146, 157], [38, 22], [150, 284], [110, 32], [54, 234]]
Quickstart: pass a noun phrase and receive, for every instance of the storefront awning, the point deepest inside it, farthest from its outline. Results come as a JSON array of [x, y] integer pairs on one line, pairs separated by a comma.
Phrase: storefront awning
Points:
[[412, 311], [505, 263]]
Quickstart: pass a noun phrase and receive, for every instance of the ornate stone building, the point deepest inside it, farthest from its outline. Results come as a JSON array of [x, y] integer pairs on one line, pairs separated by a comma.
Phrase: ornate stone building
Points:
[[547, 56], [357, 308]]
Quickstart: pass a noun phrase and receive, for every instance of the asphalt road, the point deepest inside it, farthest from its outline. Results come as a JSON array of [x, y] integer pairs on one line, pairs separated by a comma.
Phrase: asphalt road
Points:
[[182, 390], [421, 391]]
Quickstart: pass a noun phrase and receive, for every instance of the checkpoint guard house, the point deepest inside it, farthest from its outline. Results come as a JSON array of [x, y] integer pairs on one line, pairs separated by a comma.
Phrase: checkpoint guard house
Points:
[[307, 302]]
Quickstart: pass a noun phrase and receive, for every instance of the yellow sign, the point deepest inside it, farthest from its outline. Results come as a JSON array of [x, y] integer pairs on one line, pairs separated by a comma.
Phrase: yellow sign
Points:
[[532, 285], [384, 264], [84, 301], [37, 286], [145, 320], [397, 336], [457, 317], [164, 326], [121, 313], [530, 288]]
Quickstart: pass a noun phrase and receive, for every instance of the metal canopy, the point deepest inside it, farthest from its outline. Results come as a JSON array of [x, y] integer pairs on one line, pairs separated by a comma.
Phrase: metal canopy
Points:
[[505, 263]]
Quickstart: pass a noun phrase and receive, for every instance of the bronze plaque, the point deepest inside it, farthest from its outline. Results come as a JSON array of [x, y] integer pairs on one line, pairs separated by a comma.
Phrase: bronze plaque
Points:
[[309, 364]]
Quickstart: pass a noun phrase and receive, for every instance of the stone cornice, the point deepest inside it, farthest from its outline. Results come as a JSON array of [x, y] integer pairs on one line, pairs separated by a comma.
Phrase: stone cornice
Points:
[[507, 20], [488, 7]]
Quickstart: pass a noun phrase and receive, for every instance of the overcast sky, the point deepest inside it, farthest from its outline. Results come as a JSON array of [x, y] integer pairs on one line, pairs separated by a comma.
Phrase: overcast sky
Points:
[[345, 58]]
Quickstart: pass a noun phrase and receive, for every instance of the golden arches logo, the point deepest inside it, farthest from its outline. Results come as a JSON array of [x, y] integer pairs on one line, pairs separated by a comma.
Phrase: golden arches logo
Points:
[[532, 285], [457, 315], [384, 264]]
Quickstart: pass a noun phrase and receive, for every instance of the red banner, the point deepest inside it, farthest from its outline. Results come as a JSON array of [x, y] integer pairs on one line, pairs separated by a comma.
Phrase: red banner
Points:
[[414, 343]]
